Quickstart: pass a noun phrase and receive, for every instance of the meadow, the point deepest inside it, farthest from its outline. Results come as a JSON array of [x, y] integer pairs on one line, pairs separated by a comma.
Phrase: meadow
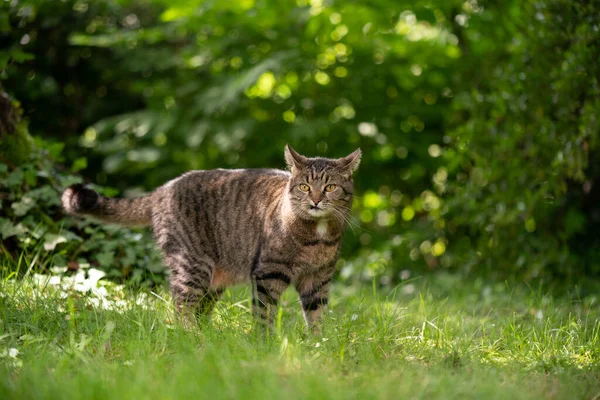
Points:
[[436, 337]]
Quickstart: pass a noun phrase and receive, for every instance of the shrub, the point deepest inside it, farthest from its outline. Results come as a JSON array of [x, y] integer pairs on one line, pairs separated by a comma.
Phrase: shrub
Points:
[[37, 235], [524, 189]]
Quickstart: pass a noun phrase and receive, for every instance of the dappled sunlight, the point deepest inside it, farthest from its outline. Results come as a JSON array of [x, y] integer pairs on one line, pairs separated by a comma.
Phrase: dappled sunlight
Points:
[[469, 263], [428, 331], [444, 101]]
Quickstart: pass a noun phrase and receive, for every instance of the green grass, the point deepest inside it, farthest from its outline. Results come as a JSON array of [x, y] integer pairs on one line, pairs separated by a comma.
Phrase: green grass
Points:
[[438, 337]]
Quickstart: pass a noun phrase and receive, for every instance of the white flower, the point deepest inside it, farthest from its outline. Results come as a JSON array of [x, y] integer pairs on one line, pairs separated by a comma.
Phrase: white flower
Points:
[[11, 353]]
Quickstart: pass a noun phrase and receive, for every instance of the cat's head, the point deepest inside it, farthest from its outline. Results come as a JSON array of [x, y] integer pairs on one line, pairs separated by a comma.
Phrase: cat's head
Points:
[[321, 187]]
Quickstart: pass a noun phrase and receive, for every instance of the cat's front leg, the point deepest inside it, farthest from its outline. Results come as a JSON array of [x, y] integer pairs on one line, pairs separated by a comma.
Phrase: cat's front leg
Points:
[[314, 295], [269, 281]]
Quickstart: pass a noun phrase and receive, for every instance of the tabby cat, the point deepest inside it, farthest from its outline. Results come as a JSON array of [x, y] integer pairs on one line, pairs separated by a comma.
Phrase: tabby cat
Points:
[[221, 227]]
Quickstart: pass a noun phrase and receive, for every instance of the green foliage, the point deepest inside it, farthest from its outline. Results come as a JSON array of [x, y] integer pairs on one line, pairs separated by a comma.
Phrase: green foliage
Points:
[[229, 84], [524, 192], [62, 91], [477, 119], [36, 234]]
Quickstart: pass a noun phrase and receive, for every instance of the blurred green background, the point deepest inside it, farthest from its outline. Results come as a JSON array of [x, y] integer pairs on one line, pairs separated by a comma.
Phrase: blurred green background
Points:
[[478, 122]]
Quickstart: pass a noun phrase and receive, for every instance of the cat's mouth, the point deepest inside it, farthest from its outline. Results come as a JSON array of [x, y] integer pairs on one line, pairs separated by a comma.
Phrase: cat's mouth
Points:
[[316, 211]]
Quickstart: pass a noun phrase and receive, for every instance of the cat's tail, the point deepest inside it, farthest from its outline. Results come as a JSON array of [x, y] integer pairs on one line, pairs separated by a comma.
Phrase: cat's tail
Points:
[[79, 200]]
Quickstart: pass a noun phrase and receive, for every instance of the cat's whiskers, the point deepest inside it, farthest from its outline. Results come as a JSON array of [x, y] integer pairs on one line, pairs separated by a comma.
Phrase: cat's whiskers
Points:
[[344, 218], [349, 218]]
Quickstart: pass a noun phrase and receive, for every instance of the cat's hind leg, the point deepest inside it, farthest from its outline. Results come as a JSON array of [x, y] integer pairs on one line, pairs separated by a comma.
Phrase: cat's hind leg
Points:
[[190, 285], [191, 267], [190, 278]]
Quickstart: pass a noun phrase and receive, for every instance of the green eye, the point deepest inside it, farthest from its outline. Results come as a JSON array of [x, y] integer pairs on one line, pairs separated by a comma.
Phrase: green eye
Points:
[[330, 188], [304, 187]]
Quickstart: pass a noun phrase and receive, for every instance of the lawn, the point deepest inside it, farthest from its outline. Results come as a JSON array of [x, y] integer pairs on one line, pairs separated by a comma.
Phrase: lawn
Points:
[[435, 337]]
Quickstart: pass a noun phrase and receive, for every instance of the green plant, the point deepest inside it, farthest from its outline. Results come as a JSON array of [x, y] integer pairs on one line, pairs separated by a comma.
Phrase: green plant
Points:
[[36, 234], [524, 185]]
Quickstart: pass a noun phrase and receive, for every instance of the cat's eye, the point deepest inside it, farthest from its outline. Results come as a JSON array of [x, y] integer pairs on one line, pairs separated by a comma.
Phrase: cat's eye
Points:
[[330, 188], [304, 187]]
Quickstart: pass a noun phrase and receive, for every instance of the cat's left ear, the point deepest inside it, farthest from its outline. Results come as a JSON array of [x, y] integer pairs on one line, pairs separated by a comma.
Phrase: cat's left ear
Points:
[[351, 162]]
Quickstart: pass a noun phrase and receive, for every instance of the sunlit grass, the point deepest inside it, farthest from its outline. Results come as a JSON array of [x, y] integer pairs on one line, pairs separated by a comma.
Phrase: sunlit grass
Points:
[[439, 338]]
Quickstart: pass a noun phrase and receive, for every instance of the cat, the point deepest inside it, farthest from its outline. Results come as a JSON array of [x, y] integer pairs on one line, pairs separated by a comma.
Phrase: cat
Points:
[[222, 227]]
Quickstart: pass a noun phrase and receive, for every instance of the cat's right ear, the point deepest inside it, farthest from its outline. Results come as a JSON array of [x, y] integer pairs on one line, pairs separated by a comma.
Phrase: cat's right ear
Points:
[[293, 159]]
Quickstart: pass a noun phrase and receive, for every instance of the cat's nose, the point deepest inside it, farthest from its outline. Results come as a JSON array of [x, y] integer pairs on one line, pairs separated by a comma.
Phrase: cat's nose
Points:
[[316, 202]]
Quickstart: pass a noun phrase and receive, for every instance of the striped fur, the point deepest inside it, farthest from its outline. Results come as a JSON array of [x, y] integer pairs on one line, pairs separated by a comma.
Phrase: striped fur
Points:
[[221, 227]]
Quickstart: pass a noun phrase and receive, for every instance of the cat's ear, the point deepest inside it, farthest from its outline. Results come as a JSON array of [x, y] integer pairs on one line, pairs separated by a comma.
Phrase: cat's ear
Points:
[[293, 159], [351, 162]]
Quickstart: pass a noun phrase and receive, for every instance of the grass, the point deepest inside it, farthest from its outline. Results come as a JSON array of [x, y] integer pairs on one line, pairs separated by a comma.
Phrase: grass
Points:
[[434, 338]]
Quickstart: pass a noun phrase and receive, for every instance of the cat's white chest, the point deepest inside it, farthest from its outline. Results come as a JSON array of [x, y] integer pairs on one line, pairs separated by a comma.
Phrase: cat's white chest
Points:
[[322, 229]]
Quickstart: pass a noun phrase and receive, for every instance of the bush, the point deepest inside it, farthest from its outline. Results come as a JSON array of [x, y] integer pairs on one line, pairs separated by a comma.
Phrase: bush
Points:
[[36, 235], [477, 119], [524, 193], [173, 87]]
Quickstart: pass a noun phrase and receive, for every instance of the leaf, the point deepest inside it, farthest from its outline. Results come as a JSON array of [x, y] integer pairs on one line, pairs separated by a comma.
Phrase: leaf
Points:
[[51, 241], [106, 259], [45, 196], [130, 256], [20, 56], [79, 164], [59, 261], [155, 267], [22, 207], [30, 176], [7, 229], [55, 149], [16, 178], [575, 222]]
